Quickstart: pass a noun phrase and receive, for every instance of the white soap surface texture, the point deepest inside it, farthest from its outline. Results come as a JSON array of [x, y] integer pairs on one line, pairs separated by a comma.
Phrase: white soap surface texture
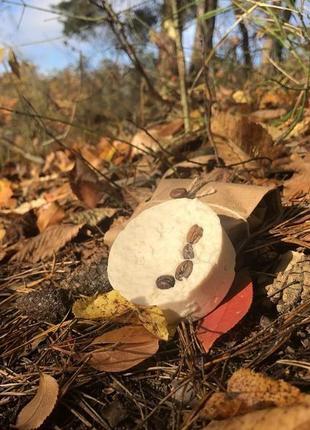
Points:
[[151, 245]]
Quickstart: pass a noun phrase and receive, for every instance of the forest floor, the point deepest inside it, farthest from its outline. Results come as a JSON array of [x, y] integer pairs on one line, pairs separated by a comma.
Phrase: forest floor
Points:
[[53, 221]]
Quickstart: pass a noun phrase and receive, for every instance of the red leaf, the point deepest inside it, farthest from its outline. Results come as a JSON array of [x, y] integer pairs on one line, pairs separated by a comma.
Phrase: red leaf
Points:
[[233, 308]]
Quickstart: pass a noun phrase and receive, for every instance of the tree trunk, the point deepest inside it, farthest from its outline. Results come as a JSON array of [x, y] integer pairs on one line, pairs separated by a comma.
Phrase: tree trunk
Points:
[[166, 64], [181, 65], [203, 34], [284, 17], [245, 45], [245, 42]]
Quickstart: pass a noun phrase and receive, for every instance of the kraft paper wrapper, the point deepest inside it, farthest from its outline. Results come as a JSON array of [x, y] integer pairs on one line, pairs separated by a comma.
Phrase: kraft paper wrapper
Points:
[[242, 209]]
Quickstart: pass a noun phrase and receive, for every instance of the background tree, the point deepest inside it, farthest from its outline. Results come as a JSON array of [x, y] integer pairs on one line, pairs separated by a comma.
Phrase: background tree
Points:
[[204, 32]]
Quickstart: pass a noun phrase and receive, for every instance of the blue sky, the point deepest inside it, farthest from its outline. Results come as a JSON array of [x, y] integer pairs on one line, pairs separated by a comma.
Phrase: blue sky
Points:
[[36, 35]]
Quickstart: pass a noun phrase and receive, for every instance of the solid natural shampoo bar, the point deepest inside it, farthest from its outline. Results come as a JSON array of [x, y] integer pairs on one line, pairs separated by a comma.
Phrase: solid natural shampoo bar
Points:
[[152, 245]]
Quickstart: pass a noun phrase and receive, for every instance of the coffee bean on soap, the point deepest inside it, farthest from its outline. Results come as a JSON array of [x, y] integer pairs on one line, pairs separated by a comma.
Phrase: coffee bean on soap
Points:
[[194, 234], [188, 252], [184, 270], [165, 282], [178, 193]]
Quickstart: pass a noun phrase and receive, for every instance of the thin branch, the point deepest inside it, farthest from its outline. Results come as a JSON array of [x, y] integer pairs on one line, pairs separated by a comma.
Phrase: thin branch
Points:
[[118, 29]]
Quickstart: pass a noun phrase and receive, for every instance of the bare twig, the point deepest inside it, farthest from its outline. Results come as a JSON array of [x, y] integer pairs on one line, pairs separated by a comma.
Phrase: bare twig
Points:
[[119, 31]]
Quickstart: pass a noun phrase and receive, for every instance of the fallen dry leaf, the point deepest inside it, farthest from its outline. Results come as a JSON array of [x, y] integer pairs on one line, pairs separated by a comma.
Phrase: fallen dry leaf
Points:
[[116, 227], [60, 160], [276, 98], [153, 319], [40, 407], [267, 114], [6, 194], [47, 243], [288, 418], [248, 391], [63, 192], [155, 137], [92, 216], [299, 184], [108, 306], [241, 96], [255, 389], [86, 185], [234, 307], [113, 306], [122, 349], [115, 151], [243, 139], [49, 214], [26, 207]]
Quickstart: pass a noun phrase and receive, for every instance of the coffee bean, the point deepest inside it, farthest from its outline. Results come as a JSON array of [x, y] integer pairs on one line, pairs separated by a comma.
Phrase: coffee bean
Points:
[[188, 252], [184, 270], [165, 282], [194, 234], [178, 193]]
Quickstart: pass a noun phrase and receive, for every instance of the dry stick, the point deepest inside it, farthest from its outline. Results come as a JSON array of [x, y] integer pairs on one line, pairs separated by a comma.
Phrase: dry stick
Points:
[[119, 31], [181, 66], [14, 148]]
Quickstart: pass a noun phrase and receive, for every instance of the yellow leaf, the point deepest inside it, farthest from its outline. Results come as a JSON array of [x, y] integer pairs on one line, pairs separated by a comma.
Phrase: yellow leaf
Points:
[[240, 96], [106, 306], [113, 306], [153, 319], [5, 193], [40, 407]]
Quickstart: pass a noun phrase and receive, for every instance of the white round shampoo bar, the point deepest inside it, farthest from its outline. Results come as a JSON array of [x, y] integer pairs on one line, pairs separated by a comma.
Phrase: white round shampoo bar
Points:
[[174, 255]]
